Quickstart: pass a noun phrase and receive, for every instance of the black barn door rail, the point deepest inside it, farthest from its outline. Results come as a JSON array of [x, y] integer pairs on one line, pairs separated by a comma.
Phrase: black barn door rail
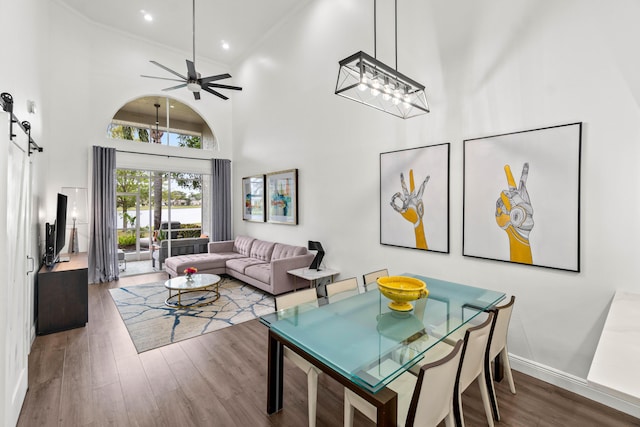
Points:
[[6, 100]]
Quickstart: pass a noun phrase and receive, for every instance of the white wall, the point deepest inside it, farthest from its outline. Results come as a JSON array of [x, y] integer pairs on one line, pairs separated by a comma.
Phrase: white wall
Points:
[[93, 71], [489, 67]]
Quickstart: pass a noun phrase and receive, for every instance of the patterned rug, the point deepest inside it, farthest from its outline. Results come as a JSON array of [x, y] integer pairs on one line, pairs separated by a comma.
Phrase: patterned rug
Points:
[[152, 324]]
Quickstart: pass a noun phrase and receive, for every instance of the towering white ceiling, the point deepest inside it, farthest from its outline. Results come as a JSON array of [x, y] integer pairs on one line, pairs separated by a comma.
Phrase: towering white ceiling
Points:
[[241, 23]]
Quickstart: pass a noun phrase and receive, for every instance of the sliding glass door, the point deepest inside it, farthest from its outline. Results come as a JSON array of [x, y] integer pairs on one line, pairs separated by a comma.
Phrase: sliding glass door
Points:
[[155, 206]]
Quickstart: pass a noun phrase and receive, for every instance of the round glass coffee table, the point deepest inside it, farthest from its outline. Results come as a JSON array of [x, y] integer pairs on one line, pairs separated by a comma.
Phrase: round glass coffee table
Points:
[[206, 285]]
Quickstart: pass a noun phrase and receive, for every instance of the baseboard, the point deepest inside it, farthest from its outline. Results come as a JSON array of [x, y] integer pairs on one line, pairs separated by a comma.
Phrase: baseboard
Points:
[[32, 332], [571, 383], [17, 398]]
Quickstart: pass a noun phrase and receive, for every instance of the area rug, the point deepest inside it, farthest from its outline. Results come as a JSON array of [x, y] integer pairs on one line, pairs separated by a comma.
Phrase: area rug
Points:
[[152, 324]]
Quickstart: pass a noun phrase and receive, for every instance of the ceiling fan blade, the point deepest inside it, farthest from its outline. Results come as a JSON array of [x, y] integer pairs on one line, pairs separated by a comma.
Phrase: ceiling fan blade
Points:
[[196, 95], [214, 78], [176, 87], [224, 86], [168, 69], [213, 92], [191, 70], [161, 78]]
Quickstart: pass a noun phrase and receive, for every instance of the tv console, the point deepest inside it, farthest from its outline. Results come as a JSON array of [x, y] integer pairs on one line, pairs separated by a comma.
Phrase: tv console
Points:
[[62, 295]]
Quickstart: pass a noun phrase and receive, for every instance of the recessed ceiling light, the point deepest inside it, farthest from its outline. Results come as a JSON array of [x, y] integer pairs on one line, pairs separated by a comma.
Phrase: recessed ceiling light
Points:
[[147, 16], [225, 45]]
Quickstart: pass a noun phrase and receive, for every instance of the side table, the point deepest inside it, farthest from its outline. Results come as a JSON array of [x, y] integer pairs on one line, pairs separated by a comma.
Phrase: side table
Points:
[[314, 276]]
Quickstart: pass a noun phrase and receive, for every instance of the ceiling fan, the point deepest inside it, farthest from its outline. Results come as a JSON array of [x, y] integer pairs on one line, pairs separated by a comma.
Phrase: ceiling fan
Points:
[[193, 80]]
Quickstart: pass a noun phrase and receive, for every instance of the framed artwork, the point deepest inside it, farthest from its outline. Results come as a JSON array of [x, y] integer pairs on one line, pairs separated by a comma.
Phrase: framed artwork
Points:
[[522, 197], [253, 198], [414, 198], [282, 197]]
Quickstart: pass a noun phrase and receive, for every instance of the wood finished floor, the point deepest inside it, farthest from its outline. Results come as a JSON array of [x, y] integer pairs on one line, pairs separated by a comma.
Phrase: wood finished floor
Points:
[[93, 376]]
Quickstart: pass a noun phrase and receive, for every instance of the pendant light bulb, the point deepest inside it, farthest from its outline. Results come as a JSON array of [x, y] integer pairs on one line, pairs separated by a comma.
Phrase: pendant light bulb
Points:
[[363, 83]]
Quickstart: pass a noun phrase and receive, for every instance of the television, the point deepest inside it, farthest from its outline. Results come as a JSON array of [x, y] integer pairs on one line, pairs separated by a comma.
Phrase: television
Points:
[[55, 233]]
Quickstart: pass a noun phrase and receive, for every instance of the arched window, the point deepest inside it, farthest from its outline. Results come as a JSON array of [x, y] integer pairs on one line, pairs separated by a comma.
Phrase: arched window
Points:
[[161, 120], [159, 204]]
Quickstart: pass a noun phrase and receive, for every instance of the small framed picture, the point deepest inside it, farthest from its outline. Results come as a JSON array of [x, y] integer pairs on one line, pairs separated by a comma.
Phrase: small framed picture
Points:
[[282, 197], [253, 198]]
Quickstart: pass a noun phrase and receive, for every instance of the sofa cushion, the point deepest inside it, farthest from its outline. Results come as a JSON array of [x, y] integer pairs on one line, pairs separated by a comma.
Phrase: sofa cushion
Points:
[[240, 264], [261, 272], [287, 251], [242, 245], [199, 261], [262, 250]]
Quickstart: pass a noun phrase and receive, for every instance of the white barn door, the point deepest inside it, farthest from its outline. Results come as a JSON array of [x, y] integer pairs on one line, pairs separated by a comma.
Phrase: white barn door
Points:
[[16, 285]]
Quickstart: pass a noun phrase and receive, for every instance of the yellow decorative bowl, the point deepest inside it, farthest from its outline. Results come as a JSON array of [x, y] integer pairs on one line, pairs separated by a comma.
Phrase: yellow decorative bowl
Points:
[[402, 289]]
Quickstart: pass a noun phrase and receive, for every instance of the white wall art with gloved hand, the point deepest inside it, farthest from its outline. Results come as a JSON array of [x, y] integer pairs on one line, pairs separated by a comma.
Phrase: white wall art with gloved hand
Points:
[[535, 220], [414, 198]]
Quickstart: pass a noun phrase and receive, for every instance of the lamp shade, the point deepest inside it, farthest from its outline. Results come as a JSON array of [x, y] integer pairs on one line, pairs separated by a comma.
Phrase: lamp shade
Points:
[[77, 205], [316, 246]]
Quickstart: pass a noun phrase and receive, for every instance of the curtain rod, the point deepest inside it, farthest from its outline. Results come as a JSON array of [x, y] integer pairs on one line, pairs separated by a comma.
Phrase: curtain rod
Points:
[[162, 155]]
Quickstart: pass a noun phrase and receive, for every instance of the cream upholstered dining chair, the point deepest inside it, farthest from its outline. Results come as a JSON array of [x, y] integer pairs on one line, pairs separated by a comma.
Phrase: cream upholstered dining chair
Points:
[[342, 289], [476, 341], [369, 279], [424, 401], [288, 301], [498, 348]]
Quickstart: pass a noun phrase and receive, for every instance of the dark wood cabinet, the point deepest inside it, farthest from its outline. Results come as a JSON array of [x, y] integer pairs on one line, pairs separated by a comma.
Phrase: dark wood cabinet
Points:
[[62, 295]]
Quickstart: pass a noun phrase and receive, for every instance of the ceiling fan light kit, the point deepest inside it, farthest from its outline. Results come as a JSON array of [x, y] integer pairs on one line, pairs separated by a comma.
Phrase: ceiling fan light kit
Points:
[[365, 79], [193, 80]]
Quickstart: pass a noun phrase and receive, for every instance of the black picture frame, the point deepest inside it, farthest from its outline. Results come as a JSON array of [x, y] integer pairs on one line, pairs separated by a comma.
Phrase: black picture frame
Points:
[[282, 197], [418, 217], [253, 208], [521, 197]]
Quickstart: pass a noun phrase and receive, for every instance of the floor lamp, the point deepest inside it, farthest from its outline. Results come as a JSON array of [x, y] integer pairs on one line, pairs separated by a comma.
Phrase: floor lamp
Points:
[[78, 203], [73, 239]]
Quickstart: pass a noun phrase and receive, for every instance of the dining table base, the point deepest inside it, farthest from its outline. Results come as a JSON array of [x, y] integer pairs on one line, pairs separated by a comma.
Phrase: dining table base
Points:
[[385, 400]]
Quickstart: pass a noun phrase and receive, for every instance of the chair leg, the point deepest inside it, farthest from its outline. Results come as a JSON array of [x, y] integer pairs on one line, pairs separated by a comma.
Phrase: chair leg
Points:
[[449, 420], [488, 379], [348, 410], [457, 408], [485, 399], [312, 395], [504, 355]]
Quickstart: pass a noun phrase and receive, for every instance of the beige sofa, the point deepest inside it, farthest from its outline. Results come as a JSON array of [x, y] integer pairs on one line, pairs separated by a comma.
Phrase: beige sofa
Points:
[[257, 262]]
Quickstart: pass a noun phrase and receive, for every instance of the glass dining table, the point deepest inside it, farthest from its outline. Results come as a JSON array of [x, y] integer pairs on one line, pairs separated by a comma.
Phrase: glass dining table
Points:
[[364, 345]]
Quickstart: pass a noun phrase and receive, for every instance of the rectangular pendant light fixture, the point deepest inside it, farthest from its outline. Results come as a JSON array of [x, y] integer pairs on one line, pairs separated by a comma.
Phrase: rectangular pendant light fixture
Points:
[[364, 79]]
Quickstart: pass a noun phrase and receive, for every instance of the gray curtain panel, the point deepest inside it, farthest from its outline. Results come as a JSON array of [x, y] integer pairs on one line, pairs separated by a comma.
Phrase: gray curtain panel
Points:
[[103, 245], [221, 200]]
